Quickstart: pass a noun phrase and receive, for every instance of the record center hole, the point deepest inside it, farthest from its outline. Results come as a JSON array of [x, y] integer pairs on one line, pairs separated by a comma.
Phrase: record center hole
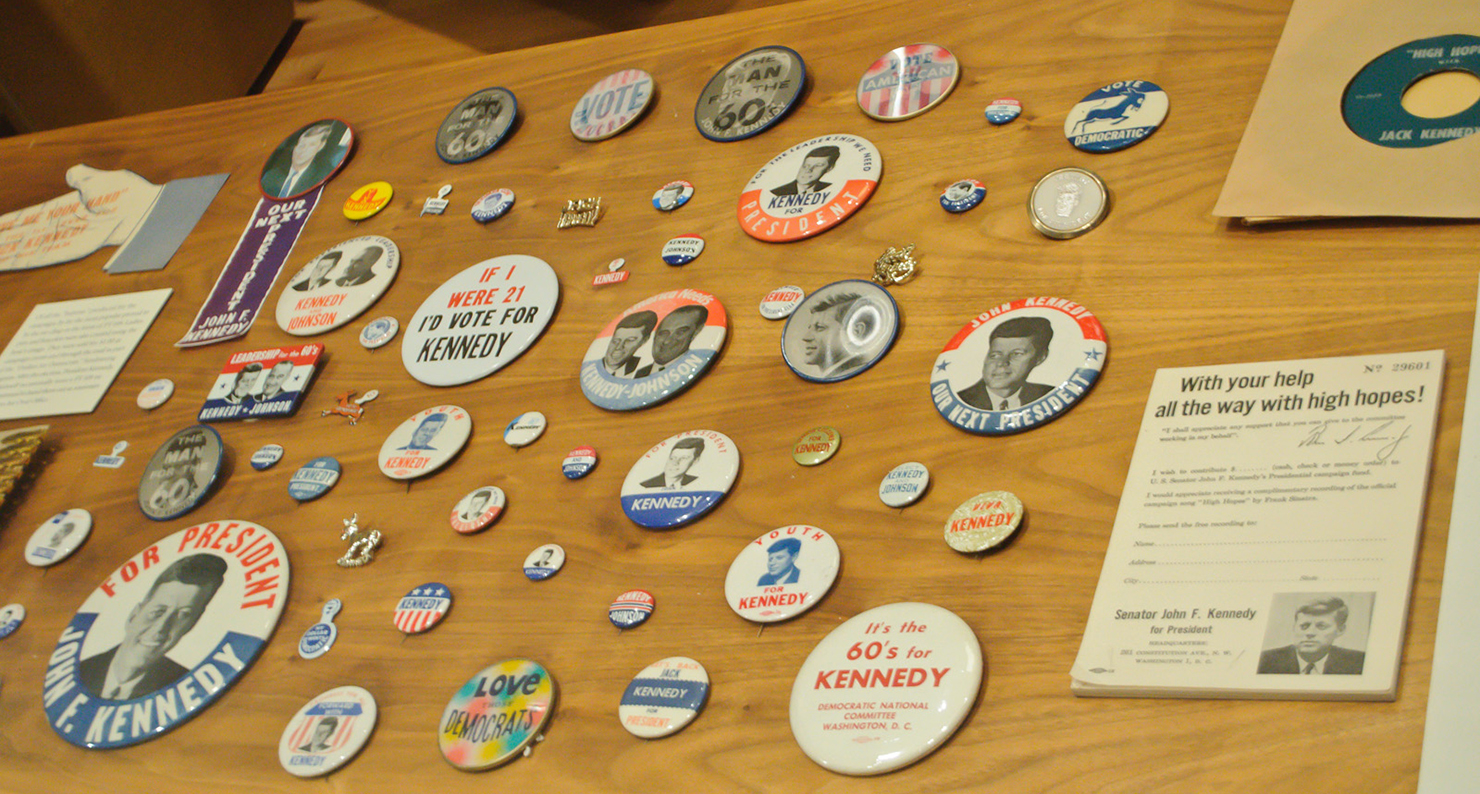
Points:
[[1441, 94]]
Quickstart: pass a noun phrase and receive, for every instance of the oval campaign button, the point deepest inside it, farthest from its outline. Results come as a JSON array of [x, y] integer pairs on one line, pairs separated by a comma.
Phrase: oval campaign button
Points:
[[631, 609], [267, 456], [923, 658], [782, 573], [58, 537], [368, 200], [544, 562], [327, 732], [422, 608], [655, 349], [425, 442], [338, 285], [664, 697], [904, 484], [683, 250], [181, 473], [314, 479], [478, 510], [1018, 366], [750, 94], [840, 330], [984, 521], [680, 479], [614, 104], [578, 462], [477, 125], [907, 81], [491, 719], [1116, 116], [809, 188]]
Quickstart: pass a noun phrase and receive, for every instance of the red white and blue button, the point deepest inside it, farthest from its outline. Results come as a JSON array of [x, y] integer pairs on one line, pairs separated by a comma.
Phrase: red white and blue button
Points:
[[1116, 116], [963, 195], [578, 462], [614, 104], [319, 638], [631, 609], [683, 250], [314, 479], [680, 479], [422, 608], [544, 562], [1001, 111], [673, 195], [907, 81], [664, 697], [492, 205]]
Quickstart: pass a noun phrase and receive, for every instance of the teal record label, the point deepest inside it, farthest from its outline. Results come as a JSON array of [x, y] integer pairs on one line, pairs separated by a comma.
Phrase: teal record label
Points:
[[1372, 104]]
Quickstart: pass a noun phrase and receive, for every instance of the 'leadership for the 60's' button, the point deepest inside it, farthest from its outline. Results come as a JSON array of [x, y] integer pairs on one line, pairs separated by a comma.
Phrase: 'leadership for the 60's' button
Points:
[[664, 697], [496, 714], [750, 94], [782, 573], [984, 521], [327, 732], [1116, 116], [58, 537], [680, 479], [425, 442]]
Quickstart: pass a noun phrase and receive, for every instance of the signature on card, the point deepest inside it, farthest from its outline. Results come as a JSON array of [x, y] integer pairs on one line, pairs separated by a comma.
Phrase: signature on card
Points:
[[1365, 434]]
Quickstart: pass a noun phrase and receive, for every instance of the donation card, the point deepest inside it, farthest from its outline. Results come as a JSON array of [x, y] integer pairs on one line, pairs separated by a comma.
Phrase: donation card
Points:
[[258, 384], [1265, 542]]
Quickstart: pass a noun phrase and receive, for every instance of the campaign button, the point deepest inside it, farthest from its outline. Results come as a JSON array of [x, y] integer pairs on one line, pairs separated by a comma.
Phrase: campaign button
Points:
[[492, 205], [963, 195], [181, 473], [809, 188], [631, 609], [267, 456], [378, 332], [750, 94], [907, 81], [367, 200], [327, 732], [11, 616], [1116, 116], [425, 442], [1067, 203], [525, 428], [654, 350], [683, 250], [58, 537], [492, 718], [113, 460], [478, 509], [338, 285], [614, 104], [779, 303], [437, 205], [578, 462], [615, 265], [680, 479], [212, 593], [477, 125], [840, 330], [817, 446], [904, 484], [664, 697], [610, 278], [983, 521], [544, 562], [155, 394], [1018, 366], [782, 573], [325, 145], [314, 479], [261, 384], [319, 638], [422, 608], [673, 195], [1001, 111], [922, 658]]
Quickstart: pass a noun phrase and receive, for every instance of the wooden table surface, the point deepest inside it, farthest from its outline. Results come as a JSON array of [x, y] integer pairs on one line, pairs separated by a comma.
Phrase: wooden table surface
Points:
[[1173, 286]]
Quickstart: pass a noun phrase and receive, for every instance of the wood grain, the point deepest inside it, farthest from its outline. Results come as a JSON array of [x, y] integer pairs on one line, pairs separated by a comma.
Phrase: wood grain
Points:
[[1173, 286]]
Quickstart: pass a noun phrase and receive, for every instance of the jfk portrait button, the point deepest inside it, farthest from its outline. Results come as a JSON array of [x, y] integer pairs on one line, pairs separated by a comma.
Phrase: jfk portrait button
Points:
[[58, 537], [680, 479], [782, 573], [425, 442]]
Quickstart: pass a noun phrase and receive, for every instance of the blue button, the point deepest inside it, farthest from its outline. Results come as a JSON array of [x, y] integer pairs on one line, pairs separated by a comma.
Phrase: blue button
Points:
[[314, 479]]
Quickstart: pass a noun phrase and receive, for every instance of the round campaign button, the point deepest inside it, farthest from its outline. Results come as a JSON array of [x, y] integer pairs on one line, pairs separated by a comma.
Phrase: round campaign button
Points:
[[840, 330], [496, 714], [308, 158], [422, 608], [378, 332], [180, 475], [175, 624], [338, 285], [655, 349], [962, 196], [631, 609], [750, 94], [1067, 203], [367, 200], [544, 562], [327, 732], [314, 479], [319, 638], [666, 696], [1001, 111], [673, 195], [267, 456], [923, 658], [11, 617], [981, 381], [615, 103], [782, 573], [984, 521], [155, 394], [478, 509], [492, 205], [809, 188], [578, 462], [480, 320], [1116, 116], [58, 537], [779, 303], [683, 250], [907, 81], [525, 429], [680, 479], [817, 446], [477, 125], [425, 442], [904, 484]]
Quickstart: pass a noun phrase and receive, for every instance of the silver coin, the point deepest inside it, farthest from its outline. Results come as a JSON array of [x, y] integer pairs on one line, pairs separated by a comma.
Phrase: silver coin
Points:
[[1067, 203], [750, 94]]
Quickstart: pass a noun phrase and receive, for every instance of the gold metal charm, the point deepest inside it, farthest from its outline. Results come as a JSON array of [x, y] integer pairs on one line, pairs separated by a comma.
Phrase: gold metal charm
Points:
[[895, 266], [580, 212], [361, 547]]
